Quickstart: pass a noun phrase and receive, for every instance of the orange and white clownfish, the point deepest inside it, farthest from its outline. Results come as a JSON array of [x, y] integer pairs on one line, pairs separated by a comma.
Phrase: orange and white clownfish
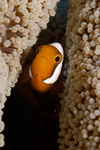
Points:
[[46, 67]]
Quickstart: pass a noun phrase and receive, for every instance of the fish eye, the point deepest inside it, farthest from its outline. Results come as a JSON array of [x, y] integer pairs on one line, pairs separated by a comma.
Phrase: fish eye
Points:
[[57, 59]]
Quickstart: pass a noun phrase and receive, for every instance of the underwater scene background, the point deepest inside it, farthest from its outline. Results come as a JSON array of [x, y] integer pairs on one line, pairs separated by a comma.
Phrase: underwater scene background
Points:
[[31, 119]]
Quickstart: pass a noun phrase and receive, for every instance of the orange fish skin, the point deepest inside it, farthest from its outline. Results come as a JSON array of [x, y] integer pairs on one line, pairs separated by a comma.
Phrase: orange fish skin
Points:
[[38, 84], [43, 67]]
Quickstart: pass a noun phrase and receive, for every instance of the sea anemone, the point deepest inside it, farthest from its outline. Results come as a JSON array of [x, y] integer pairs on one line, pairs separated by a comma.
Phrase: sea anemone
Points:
[[20, 23], [80, 110]]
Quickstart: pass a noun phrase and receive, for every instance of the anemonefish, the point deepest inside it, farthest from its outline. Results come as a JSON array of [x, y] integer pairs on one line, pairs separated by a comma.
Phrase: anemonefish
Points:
[[46, 67]]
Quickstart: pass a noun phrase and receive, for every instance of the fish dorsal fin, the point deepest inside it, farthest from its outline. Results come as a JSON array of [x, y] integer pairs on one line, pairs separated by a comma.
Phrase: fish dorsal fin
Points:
[[57, 71]]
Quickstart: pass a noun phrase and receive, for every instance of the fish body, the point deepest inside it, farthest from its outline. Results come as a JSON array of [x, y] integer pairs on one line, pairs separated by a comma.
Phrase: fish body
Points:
[[46, 67]]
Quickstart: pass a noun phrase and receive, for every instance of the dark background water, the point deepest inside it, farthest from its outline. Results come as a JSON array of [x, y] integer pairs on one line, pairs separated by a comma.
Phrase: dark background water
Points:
[[28, 128]]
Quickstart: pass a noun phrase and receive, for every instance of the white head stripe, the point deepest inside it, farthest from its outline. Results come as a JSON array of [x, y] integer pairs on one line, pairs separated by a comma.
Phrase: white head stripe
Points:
[[57, 71], [59, 47], [30, 72]]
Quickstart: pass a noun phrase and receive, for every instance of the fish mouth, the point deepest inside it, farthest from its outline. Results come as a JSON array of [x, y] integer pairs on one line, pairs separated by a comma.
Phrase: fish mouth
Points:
[[38, 84]]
